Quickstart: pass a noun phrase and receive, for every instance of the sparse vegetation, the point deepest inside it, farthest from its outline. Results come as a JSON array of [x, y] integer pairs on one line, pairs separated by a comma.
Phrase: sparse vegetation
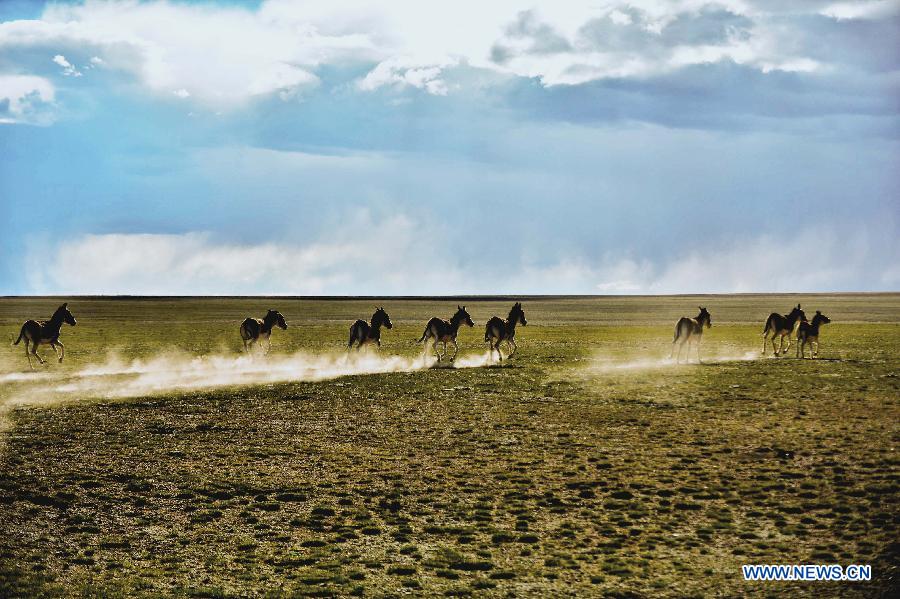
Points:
[[554, 474]]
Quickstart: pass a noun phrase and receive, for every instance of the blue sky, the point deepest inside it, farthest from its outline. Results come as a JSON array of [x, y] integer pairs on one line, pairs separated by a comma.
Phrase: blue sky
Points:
[[276, 147]]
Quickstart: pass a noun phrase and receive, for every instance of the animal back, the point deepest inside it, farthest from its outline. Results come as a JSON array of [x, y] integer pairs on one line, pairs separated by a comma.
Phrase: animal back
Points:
[[251, 327]]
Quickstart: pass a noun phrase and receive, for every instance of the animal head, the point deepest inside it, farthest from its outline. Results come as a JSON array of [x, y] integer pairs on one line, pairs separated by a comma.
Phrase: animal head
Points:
[[517, 314], [382, 316], [276, 317], [820, 318], [798, 313], [463, 316], [704, 318], [63, 313]]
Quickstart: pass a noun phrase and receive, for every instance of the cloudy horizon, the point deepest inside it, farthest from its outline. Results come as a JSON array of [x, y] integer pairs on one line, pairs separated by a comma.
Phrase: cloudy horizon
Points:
[[345, 148]]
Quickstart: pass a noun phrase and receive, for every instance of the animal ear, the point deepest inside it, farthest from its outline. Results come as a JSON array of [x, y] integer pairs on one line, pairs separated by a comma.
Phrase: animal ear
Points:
[[817, 312], [798, 306], [64, 304]]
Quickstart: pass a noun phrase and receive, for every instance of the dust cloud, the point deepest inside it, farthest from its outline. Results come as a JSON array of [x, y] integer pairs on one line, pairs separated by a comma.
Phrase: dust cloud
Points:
[[605, 364], [167, 373]]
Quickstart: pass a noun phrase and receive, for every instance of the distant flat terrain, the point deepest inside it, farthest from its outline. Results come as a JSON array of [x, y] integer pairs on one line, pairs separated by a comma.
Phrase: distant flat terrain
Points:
[[156, 461]]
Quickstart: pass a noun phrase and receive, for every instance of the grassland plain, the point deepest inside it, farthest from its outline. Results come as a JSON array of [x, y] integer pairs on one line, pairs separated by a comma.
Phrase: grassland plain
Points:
[[585, 466]]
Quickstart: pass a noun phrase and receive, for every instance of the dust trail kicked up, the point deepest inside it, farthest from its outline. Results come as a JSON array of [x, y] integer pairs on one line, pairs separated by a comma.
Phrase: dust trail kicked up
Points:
[[601, 364], [165, 373]]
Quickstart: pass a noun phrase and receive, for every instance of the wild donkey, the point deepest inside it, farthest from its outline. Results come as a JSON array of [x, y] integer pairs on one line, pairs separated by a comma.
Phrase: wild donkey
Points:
[[361, 332], [781, 326], [443, 331], [686, 329], [497, 331], [254, 330], [809, 333], [36, 332]]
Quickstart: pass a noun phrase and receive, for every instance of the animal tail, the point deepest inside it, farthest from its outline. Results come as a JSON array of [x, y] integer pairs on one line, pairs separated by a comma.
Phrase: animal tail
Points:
[[677, 332], [424, 334], [487, 333], [768, 324], [21, 334]]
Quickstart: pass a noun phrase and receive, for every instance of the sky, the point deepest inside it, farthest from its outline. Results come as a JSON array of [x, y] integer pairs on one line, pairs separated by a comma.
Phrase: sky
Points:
[[342, 147]]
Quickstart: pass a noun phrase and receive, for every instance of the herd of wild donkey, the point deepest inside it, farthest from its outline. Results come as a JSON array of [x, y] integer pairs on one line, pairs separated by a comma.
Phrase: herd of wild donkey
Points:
[[258, 331]]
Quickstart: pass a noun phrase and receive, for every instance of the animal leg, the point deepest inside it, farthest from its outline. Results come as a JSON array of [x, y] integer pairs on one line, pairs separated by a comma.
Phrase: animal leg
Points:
[[61, 352], [699, 361], [496, 345], [28, 354], [515, 348], [814, 353], [788, 345], [456, 349], [34, 348], [765, 341]]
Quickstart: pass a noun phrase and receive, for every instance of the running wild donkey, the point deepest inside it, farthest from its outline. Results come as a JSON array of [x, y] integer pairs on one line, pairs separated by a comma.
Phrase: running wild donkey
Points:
[[781, 327], [361, 332], [688, 328], [497, 331], [36, 332], [443, 331], [254, 330], [809, 333]]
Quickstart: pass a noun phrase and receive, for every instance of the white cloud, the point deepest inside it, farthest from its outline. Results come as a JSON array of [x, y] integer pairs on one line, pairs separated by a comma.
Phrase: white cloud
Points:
[[862, 9], [367, 255], [815, 258], [388, 258], [225, 55], [23, 99], [69, 69], [401, 72]]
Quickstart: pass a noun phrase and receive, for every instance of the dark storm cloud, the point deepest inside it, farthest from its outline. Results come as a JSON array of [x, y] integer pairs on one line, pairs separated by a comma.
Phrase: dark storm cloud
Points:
[[538, 38], [632, 29], [722, 95]]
